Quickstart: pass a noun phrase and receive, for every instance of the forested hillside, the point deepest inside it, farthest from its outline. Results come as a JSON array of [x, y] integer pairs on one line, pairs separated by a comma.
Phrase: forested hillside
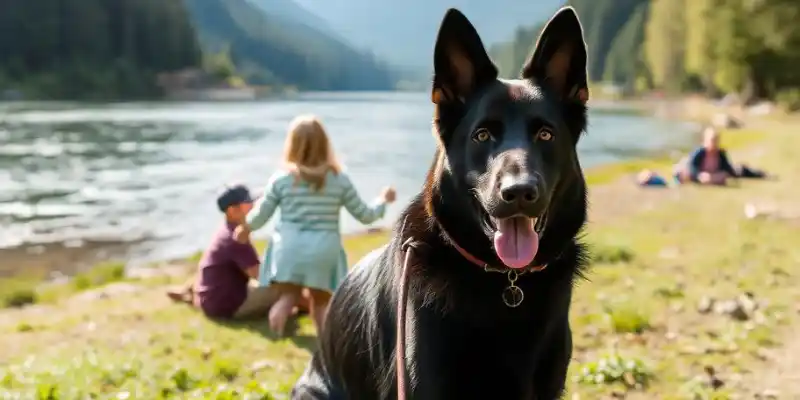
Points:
[[292, 11], [270, 49], [727, 45], [611, 27], [92, 48], [717, 46], [114, 49]]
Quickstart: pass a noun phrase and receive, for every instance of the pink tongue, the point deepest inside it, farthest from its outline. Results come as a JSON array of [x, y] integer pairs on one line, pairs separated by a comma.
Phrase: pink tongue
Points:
[[515, 242]]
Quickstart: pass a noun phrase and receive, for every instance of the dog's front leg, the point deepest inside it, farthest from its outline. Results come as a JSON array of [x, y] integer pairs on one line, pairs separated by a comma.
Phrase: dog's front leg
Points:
[[551, 373]]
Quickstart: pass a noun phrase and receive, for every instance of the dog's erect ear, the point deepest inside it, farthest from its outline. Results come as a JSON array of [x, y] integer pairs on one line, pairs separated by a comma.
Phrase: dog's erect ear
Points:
[[560, 57], [460, 61]]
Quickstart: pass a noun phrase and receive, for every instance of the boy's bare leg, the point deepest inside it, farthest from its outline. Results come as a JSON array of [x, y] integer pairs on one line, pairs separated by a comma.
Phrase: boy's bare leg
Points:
[[280, 312]]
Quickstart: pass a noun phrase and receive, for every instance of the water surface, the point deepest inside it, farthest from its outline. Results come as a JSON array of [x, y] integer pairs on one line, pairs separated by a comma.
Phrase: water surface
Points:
[[148, 172]]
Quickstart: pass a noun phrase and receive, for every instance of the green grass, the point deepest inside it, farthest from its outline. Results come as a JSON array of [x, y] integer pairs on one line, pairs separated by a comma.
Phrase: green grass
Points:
[[615, 369], [99, 275], [627, 319], [635, 324], [17, 292], [21, 291], [611, 254]]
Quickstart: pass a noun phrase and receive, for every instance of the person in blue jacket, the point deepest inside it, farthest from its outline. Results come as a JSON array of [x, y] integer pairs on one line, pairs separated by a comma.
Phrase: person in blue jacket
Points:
[[708, 164]]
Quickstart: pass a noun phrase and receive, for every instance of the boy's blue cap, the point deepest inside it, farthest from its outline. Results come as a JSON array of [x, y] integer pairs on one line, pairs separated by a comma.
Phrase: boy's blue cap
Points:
[[233, 195]]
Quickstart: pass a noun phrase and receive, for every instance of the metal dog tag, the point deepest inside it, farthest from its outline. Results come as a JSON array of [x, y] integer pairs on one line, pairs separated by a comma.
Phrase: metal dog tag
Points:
[[512, 294]]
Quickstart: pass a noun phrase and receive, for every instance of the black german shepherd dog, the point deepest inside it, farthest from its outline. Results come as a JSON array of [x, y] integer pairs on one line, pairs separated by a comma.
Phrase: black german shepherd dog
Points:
[[496, 230]]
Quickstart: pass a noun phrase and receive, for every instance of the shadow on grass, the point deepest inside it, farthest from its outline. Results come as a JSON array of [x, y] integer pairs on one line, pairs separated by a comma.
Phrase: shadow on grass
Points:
[[261, 326]]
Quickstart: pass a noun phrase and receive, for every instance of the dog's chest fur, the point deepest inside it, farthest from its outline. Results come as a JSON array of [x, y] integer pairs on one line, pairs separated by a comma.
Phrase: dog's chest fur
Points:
[[460, 331]]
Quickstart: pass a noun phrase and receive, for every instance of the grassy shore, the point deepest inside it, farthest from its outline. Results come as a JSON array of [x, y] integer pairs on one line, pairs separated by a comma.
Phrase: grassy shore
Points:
[[687, 298]]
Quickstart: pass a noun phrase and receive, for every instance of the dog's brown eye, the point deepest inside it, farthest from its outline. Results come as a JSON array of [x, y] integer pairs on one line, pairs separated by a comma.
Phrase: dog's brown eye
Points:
[[481, 135], [544, 134]]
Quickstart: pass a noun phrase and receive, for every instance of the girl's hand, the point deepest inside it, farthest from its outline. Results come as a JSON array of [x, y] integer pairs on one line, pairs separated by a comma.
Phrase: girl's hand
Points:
[[241, 234], [389, 195]]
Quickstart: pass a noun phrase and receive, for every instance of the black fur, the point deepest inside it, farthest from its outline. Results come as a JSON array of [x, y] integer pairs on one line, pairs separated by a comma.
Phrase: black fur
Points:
[[462, 341]]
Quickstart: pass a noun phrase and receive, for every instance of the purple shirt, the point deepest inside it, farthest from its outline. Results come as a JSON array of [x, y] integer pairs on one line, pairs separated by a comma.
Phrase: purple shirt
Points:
[[221, 285]]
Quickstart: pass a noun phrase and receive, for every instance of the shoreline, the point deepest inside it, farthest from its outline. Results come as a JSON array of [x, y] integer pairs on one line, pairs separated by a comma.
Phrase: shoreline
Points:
[[58, 260]]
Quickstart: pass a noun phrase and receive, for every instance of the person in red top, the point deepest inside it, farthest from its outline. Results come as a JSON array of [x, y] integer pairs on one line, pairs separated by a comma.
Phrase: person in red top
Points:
[[221, 287]]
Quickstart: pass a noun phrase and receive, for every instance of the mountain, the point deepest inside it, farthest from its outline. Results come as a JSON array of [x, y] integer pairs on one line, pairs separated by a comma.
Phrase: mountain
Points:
[[510, 56], [602, 21], [270, 48], [613, 30], [624, 58], [291, 11], [403, 32]]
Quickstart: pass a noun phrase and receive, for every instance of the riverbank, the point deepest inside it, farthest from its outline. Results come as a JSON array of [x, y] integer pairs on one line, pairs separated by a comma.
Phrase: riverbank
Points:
[[682, 285]]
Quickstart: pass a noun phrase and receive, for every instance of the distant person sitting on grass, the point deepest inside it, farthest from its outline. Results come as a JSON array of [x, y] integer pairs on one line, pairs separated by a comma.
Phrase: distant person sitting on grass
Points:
[[221, 287], [305, 255], [707, 165]]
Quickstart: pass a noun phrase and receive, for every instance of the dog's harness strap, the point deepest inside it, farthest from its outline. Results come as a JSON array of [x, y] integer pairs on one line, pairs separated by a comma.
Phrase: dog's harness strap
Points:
[[402, 301], [400, 353]]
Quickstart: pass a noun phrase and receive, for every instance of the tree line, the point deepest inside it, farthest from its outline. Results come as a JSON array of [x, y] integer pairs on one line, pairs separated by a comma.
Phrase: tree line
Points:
[[747, 47], [66, 49]]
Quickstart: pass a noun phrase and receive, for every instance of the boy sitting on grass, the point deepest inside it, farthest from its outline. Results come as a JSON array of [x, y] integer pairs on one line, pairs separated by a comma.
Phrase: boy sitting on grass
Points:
[[221, 287]]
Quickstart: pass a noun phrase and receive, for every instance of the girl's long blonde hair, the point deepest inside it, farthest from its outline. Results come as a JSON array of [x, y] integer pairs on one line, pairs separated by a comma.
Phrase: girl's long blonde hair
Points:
[[308, 153]]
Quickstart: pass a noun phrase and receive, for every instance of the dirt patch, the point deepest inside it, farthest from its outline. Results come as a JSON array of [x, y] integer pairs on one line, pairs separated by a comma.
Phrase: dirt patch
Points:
[[782, 379], [52, 260]]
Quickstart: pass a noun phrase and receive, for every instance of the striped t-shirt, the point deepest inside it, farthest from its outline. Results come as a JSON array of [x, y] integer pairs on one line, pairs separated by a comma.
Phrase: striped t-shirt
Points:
[[309, 209]]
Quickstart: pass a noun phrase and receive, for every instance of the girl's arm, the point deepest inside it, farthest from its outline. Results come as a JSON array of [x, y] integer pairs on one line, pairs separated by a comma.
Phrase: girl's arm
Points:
[[358, 208], [264, 208]]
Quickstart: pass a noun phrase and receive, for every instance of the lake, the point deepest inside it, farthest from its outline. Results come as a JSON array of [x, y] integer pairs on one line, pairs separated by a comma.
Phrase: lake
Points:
[[146, 174]]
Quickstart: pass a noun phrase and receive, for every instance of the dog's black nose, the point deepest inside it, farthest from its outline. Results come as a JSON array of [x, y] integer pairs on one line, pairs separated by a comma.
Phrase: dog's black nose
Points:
[[522, 191]]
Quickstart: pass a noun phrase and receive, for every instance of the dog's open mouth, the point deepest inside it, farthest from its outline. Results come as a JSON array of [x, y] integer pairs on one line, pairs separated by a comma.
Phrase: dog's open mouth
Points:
[[516, 240]]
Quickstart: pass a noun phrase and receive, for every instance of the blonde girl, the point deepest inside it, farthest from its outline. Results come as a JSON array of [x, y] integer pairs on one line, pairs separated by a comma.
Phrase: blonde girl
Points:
[[305, 258]]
